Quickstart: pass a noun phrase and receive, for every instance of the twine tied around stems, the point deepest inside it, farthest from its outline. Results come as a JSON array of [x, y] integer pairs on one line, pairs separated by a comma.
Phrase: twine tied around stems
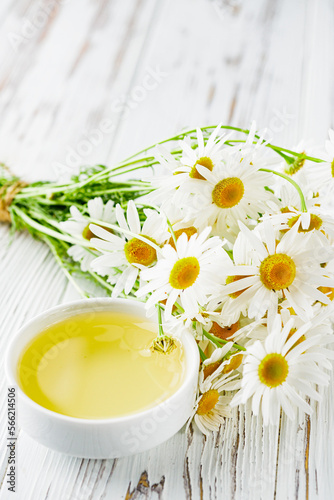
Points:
[[7, 194]]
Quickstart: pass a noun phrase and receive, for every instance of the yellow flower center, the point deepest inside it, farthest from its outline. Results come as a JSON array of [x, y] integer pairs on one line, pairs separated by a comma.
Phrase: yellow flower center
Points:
[[164, 302], [184, 273], [327, 291], [209, 369], [290, 309], [224, 332], [232, 279], [207, 402], [294, 166], [277, 271], [206, 162], [140, 252], [189, 231], [234, 363], [228, 192], [273, 370], [315, 223], [88, 235], [299, 341], [286, 210], [332, 168]]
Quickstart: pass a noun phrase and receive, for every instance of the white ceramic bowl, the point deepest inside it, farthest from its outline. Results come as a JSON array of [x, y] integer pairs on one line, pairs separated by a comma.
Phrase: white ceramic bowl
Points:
[[107, 438]]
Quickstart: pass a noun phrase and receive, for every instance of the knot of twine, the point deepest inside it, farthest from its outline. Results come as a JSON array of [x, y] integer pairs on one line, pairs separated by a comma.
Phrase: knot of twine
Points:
[[7, 194]]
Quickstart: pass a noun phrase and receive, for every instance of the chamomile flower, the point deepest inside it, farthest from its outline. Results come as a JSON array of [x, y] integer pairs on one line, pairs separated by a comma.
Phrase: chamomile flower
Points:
[[253, 150], [212, 405], [240, 331], [220, 361], [287, 313], [287, 198], [211, 322], [268, 271], [77, 225], [183, 171], [327, 290], [230, 309], [250, 330], [83, 255], [234, 191], [315, 222], [173, 326], [208, 154], [166, 192], [253, 144], [190, 272], [176, 217], [126, 252], [282, 370], [297, 169]]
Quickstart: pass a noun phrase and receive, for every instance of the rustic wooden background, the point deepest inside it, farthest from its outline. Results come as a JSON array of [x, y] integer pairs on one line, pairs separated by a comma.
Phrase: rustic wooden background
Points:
[[87, 81]]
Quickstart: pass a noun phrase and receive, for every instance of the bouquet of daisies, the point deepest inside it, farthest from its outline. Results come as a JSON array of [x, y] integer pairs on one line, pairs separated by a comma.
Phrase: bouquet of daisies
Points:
[[230, 237]]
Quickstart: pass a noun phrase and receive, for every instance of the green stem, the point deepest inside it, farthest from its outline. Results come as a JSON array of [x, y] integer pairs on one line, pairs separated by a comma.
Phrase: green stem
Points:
[[131, 170], [42, 216], [219, 342], [161, 331], [101, 281], [201, 353], [171, 230], [294, 183], [46, 201], [182, 135], [302, 156], [124, 190], [179, 308], [148, 161], [47, 231], [51, 188]]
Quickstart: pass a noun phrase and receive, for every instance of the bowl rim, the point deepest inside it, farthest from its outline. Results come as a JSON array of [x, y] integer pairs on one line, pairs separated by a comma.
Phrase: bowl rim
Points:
[[192, 362]]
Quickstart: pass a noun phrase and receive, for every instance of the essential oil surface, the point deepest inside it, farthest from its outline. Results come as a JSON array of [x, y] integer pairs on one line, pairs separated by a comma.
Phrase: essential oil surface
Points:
[[99, 365]]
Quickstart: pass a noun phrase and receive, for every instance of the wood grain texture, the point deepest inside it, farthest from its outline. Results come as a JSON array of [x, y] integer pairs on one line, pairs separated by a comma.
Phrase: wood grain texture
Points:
[[85, 81]]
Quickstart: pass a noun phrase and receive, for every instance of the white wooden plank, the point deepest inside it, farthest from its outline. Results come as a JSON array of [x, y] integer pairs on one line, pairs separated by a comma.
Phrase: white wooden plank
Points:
[[87, 46]]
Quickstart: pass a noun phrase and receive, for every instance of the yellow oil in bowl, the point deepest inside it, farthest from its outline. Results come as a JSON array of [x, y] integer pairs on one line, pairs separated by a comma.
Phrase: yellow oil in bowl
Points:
[[99, 365]]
